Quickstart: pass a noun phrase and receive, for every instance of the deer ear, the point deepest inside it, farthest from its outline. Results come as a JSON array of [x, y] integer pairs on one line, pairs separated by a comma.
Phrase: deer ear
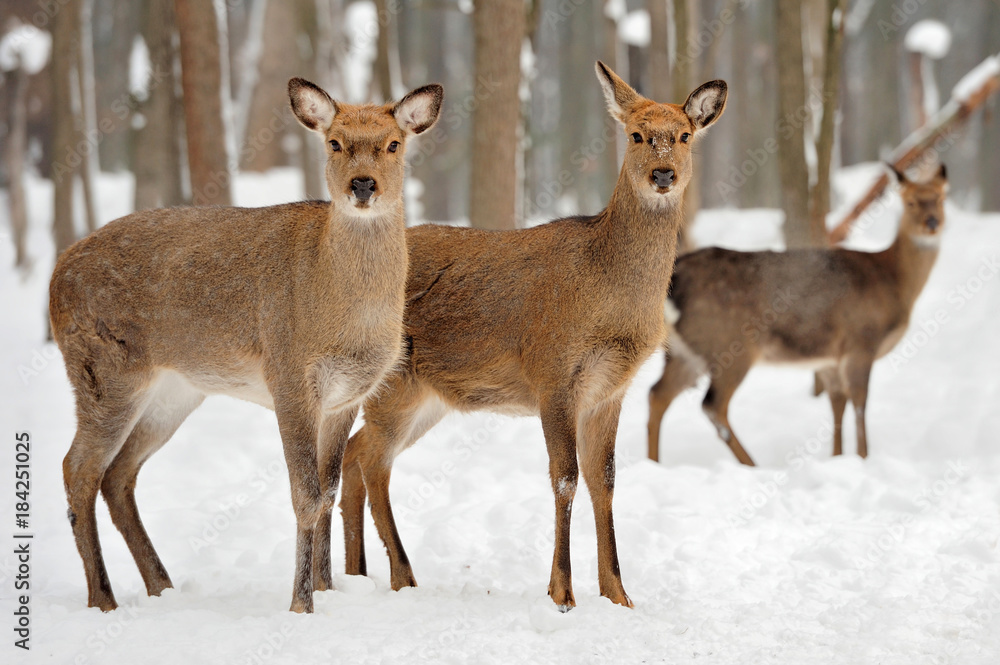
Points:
[[619, 95], [311, 105], [419, 110], [900, 176], [942, 173], [706, 104]]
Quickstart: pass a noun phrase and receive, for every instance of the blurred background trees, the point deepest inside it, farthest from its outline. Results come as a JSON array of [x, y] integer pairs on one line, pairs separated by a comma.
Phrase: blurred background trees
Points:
[[184, 94]]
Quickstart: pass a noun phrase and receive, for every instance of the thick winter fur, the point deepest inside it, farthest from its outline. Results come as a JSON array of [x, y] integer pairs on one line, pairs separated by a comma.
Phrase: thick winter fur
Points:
[[554, 320], [836, 310], [297, 307]]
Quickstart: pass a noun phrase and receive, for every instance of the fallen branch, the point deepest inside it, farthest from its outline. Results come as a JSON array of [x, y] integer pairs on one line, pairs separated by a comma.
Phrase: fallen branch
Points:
[[962, 104]]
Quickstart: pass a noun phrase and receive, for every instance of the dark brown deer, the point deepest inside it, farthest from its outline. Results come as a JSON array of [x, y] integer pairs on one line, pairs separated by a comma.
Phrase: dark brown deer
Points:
[[554, 320], [835, 309], [297, 307]]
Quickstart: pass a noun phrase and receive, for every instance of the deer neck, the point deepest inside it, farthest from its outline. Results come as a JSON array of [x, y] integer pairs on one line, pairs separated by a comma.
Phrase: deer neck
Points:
[[368, 252], [915, 257], [638, 239]]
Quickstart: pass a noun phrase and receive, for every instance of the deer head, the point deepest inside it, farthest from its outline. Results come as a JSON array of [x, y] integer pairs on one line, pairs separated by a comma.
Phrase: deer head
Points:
[[923, 206], [660, 136], [365, 144]]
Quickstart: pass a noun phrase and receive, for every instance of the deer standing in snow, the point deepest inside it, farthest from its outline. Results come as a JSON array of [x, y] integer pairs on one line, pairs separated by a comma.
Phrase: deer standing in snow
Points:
[[837, 310], [553, 320], [297, 307]]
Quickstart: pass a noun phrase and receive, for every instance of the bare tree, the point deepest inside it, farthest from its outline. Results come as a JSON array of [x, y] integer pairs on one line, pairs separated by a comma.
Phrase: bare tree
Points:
[[792, 165], [65, 33], [819, 197], [659, 50], [157, 162], [499, 28], [84, 111], [202, 80], [386, 80], [17, 142]]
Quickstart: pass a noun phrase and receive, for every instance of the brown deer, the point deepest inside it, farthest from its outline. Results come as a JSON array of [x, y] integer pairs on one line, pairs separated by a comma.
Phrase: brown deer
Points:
[[835, 309], [553, 320], [296, 307]]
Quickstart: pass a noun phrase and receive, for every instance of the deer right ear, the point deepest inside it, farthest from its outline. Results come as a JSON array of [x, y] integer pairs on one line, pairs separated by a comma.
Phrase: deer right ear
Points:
[[311, 105], [619, 95], [706, 103]]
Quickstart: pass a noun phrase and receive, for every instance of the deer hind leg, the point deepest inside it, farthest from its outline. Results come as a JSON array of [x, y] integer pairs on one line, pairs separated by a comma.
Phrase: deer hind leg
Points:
[[335, 430], [678, 375], [559, 427], [857, 370], [108, 407], [829, 380], [393, 424], [597, 432], [716, 406], [167, 409]]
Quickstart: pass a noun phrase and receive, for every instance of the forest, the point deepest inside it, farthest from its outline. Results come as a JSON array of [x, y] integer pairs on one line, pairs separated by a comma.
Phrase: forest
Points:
[[768, 213]]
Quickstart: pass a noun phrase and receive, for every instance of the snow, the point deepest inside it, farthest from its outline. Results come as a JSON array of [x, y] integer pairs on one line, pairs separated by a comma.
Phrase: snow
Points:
[[139, 68], [930, 37], [25, 46], [806, 558], [976, 79], [615, 9], [634, 28]]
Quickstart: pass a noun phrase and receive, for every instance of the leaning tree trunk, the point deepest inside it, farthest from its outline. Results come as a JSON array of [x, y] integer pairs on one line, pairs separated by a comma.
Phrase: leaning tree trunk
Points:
[[202, 82], [792, 165], [499, 31], [819, 198], [157, 143]]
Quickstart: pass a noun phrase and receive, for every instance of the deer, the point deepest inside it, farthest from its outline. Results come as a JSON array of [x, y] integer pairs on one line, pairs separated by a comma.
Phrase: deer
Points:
[[296, 307], [834, 310], [551, 321]]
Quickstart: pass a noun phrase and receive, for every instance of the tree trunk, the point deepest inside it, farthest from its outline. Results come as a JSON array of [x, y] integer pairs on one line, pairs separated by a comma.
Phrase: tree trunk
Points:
[[89, 166], [499, 31], [17, 140], [386, 78], [659, 51], [202, 82], [819, 198], [65, 33], [682, 83], [157, 144], [791, 136]]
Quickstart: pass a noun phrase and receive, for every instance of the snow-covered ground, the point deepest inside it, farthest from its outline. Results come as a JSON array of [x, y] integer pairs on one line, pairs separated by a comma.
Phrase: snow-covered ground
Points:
[[804, 559]]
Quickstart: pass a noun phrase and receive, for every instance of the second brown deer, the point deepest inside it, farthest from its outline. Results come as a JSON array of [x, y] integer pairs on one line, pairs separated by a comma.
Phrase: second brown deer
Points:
[[837, 310], [553, 320]]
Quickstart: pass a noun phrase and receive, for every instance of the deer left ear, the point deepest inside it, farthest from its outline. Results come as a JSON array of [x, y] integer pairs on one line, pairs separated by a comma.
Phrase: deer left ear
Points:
[[706, 104], [418, 111], [942, 173]]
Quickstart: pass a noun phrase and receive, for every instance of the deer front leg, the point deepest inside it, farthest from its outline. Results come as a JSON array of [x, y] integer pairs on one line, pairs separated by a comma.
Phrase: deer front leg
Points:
[[297, 422], [352, 508], [559, 427], [858, 371], [829, 380], [598, 429], [332, 442]]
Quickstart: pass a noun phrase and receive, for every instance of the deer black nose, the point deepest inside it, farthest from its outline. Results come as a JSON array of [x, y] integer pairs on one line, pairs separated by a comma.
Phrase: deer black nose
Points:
[[363, 188], [663, 178], [933, 223]]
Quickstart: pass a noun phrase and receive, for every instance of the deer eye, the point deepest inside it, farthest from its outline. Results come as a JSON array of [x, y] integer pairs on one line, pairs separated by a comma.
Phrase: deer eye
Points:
[[393, 146], [637, 137], [684, 137], [335, 145]]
